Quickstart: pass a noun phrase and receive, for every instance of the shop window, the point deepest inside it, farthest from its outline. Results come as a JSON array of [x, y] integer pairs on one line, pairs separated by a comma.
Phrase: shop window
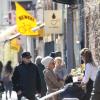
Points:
[[26, 4]]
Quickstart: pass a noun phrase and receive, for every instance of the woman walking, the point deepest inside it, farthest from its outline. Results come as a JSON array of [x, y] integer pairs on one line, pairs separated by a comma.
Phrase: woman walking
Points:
[[41, 68], [7, 78]]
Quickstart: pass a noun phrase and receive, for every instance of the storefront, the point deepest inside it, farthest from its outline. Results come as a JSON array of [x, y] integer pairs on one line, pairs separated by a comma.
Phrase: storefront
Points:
[[9, 48]]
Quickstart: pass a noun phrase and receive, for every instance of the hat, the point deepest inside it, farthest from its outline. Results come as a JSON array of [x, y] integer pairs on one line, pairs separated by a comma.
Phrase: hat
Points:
[[38, 60], [26, 55], [45, 61], [53, 54]]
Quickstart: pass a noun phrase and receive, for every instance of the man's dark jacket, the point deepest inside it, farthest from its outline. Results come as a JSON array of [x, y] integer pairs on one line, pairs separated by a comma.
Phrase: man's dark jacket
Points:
[[26, 78]]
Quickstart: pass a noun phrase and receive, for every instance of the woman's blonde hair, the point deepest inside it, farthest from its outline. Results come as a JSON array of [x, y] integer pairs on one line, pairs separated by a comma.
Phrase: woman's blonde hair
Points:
[[59, 59]]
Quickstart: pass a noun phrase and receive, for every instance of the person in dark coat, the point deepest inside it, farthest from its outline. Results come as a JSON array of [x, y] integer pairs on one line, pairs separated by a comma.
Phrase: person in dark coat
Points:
[[96, 90], [41, 68], [1, 82], [1, 67], [7, 78], [26, 78]]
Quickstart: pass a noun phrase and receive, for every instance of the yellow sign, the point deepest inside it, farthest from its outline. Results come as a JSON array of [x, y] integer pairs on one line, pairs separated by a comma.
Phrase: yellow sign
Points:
[[14, 44], [98, 1], [41, 32], [25, 22]]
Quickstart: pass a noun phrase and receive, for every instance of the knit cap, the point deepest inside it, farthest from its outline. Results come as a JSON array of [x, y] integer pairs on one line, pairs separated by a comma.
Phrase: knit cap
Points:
[[45, 61]]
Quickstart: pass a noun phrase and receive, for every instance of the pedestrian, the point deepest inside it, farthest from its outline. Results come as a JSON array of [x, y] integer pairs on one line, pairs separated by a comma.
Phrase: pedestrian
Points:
[[41, 68], [90, 72], [1, 67], [26, 79], [7, 78], [51, 80], [1, 82]]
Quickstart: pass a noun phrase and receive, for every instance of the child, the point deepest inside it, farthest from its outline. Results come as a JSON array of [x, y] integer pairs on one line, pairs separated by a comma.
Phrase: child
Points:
[[60, 69]]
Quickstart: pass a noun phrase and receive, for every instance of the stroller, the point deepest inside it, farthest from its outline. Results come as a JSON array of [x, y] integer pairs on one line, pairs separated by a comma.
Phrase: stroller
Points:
[[70, 91], [73, 91]]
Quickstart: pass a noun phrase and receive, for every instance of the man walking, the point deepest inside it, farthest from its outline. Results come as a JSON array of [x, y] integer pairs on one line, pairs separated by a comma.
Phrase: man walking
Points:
[[26, 79]]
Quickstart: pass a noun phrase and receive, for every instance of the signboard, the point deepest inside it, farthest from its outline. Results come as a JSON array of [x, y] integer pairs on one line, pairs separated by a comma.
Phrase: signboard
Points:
[[53, 21], [25, 22]]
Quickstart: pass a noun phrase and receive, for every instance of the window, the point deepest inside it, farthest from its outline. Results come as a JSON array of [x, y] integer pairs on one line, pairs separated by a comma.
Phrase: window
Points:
[[28, 5]]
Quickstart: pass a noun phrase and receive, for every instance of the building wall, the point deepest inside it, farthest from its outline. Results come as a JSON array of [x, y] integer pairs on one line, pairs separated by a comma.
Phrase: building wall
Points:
[[3, 11], [92, 18], [43, 5], [76, 36], [5, 51]]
